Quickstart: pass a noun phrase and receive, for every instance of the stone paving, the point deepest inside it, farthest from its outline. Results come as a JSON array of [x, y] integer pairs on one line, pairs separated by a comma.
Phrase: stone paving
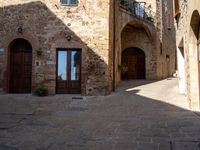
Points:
[[140, 115]]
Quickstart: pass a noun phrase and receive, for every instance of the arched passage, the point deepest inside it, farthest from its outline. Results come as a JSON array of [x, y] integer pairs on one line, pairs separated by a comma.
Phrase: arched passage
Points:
[[134, 60], [20, 66], [135, 38]]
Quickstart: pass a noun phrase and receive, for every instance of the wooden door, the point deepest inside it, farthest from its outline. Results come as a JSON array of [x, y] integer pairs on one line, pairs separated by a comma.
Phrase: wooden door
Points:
[[20, 67], [68, 71], [140, 67], [134, 59], [132, 67]]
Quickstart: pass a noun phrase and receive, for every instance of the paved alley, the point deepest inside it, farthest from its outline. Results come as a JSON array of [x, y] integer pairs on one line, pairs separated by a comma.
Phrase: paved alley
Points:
[[140, 115]]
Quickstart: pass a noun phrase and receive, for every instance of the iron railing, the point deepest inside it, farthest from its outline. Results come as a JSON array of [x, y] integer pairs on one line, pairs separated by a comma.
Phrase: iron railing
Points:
[[139, 10]]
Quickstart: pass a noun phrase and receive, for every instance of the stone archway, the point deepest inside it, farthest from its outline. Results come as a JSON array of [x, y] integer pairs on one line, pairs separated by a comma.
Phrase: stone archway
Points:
[[134, 61], [135, 37], [193, 63], [20, 66]]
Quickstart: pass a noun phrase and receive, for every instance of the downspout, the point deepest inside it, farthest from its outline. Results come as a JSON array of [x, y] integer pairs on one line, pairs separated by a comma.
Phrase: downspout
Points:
[[114, 26]]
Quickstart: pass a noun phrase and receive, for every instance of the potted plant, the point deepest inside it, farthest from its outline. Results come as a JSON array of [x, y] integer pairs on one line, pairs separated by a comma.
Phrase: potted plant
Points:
[[150, 18], [123, 68], [40, 91]]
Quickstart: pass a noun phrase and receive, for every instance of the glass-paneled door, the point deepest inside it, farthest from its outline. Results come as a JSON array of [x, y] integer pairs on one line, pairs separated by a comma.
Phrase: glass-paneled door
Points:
[[68, 71]]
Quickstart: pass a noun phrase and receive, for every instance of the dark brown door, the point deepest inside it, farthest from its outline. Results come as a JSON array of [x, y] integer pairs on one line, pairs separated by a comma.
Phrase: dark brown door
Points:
[[134, 59], [20, 66], [68, 71]]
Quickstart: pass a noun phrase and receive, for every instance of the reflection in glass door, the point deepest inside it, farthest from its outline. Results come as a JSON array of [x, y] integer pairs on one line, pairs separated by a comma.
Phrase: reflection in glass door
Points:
[[75, 65], [68, 71], [62, 65]]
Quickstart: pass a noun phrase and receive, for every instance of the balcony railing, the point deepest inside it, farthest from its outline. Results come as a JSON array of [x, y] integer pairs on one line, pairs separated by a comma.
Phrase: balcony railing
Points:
[[139, 10]]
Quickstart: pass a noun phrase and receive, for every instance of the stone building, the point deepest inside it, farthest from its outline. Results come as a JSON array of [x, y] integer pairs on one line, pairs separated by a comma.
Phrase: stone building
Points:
[[78, 46], [187, 38], [145, 41], [73, 41]]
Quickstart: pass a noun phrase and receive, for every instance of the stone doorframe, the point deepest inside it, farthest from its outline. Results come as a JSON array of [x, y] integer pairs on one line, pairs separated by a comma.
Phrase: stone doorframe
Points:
[[8, 42], [22, 81]]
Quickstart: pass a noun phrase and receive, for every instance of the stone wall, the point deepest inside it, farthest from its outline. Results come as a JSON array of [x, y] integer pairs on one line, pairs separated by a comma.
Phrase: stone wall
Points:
[[45, 25], [167, 31], [187, 39]]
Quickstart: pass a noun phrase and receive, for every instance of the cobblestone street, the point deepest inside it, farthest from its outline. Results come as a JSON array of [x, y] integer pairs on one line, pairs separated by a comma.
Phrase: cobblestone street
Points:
[[140, 115]]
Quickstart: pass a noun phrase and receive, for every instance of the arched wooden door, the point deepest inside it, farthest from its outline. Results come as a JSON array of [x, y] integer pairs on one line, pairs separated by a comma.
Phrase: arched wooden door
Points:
[[134, 59], [20, 66]]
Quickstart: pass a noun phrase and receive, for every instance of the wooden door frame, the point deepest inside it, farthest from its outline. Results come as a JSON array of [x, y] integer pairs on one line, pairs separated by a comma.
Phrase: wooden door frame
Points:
[[8, 89], [57, 50], [68, 68], [8, 68]]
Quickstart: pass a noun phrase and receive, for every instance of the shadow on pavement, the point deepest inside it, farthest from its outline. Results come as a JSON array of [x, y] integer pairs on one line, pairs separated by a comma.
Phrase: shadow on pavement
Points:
[[120, 121]]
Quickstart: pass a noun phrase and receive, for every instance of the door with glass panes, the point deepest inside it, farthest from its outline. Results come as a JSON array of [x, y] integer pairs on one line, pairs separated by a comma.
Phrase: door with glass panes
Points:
[[68, 71]]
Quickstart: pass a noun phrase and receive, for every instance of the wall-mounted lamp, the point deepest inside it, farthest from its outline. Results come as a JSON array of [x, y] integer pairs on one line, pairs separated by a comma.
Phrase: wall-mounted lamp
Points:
[[20, 30], [68, 37]]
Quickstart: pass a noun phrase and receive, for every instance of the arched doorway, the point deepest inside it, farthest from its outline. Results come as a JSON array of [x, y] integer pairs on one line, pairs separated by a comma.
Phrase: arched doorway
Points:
[[193, 61], [20, 66], [195, 36], [134, 59]]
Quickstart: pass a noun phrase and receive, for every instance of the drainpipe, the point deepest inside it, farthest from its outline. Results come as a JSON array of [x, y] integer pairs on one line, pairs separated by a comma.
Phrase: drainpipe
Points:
[[113, 45]]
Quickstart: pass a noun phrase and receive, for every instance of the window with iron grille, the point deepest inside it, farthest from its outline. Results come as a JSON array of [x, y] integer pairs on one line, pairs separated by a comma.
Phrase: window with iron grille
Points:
[[176, 8], [69, 2]]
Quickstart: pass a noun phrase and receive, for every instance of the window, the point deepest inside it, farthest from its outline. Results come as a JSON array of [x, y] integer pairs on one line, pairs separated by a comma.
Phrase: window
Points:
[[176, 8], [69, 2], [139, 9]]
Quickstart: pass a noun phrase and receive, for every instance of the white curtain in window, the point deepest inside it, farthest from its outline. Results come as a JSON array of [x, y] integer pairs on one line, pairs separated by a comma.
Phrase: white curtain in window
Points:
[[139, 10]]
